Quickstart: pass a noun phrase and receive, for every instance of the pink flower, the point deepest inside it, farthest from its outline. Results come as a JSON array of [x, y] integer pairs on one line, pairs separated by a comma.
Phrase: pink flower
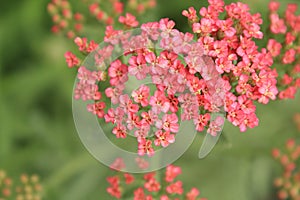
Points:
[[133, 121], [169, 122], [71, 59], [226, 27], [145, 147], [97, 109], [112, 35], [273, 6], [117, 73], [87, 92], [289, 56], [114, 116], [172, 172], [219, 50], [114, 93], [253, 30], [173, 103], [268, 91], [205, 27], [202, 121], [192, 194], [137, 67], [129, 20], [215, 126], [119, 131], [148, 118], [81, 43], [152, 185], [250, 121], [191, 14], [142, 132], [277, 25], [159, 102], [166, 26], [127, 105], [163, 138], [141, 95], [246, 105], [289, 38], [152, 29], [274, 47], [175, 188]]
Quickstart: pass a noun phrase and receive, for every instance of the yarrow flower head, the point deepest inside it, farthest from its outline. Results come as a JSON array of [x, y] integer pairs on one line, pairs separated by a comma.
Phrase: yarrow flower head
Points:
[[149, 186], [27, 187], [288, 184], [224, 70], [285, 49]]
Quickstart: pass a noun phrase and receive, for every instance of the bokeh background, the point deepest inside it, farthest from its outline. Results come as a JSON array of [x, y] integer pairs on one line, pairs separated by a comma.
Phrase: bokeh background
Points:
[[37, 133]]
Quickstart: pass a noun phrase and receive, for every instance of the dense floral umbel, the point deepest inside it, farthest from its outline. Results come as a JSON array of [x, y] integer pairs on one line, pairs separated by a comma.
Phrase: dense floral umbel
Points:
[[71, 24], [284, 45], [150, 186], [224, 70], [229, 41], [288, 183], [26, 188]]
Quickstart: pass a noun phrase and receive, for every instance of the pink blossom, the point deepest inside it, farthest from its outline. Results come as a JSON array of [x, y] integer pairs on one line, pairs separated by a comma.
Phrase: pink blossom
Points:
[[191, 14], [151, 29], [268, 91], [202, 121], [141, 95], [163, 138], [117, 73], [166, 26], [129, 20], [148, 118], [172, 172], [175, 188], [119, 131], [215, 126], [277, 25], [133, 121], [137, 67], [71, 59], [226, 27], [274, 47], [250, 121], [97, 109], [169, 122], [159, 102], [114, 93], [114, 116], [142, 132], [273, 6], [112, 35], [145, 147], [289, 56], [127, 104]]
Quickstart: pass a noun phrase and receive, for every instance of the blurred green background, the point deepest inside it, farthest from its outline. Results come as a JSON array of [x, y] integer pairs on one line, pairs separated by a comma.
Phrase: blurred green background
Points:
[[37, 133]]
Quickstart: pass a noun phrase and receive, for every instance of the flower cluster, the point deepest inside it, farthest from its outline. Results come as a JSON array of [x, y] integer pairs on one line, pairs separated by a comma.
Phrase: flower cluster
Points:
[[284, 45], [64, 19], [184, 84], [229, 41], [71, 24], [224, 70], [288, 183], [28, 187], [151, 186]]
